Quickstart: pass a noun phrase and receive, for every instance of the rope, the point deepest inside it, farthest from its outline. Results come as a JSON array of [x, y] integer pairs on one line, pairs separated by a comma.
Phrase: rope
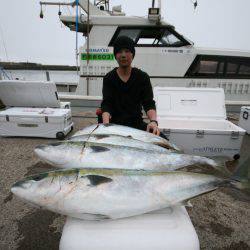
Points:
[[5, 50], [5, 74]]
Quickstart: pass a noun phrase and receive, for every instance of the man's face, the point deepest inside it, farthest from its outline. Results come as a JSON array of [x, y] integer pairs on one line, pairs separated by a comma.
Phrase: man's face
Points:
[[124, 58]]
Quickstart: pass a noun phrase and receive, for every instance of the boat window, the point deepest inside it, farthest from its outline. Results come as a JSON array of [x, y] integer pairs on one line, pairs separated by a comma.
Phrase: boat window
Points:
[[207, 67], [169, 39], [132, 33], [244, 69], [146, 41], [221, 67], [232, 68], [212, 66], [147, 36]]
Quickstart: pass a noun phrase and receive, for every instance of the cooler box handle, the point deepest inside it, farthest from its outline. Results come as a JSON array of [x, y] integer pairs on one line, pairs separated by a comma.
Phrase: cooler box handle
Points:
[[245, 115]]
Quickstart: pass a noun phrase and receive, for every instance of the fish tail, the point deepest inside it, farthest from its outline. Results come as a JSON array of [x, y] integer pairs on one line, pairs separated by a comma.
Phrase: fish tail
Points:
[[220, 165], [240, 184]]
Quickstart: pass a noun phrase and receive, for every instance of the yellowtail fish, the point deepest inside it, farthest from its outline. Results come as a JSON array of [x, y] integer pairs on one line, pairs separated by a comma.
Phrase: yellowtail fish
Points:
[[99, 155], [97, 194], [137, 134]]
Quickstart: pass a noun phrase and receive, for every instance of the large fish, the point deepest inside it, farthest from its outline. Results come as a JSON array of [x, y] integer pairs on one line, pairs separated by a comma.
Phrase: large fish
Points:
[[96, 155], [119, 140], [127, 131], [96, 194]]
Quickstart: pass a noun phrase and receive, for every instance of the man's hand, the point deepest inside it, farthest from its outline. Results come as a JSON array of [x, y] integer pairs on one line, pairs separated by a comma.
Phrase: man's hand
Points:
[[105, 117], [153, 128]]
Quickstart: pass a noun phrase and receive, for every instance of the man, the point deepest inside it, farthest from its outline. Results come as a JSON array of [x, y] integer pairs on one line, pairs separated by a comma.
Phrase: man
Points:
[[126, 90]]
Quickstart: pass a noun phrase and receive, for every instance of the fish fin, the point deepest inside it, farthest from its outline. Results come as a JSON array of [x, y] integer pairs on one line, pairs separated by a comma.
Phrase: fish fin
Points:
[[99, 149], [236, 184], [216, 163], [88, 216], [186, 203], [168, 146], [242, 185], [108, 124], [96, 180], [129, 136], [101, 136]]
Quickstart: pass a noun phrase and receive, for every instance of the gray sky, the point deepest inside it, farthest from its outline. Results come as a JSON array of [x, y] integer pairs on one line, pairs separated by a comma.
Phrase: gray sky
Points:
[[215, 23]]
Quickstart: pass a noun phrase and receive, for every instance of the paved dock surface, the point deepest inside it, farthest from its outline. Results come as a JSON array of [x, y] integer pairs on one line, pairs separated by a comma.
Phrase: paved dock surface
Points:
[[221, 218]]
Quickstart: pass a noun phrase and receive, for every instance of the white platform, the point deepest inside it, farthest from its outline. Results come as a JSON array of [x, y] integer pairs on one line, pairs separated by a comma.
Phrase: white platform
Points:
[[170, 228]]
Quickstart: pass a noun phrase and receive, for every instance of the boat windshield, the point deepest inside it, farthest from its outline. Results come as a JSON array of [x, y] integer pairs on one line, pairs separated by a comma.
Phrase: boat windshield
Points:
[[151, 36]]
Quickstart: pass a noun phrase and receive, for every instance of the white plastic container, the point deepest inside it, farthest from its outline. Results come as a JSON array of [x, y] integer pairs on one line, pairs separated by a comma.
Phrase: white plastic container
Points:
[[244, 121], [35, 122], [28, 113], [195, 120], [170, 228]]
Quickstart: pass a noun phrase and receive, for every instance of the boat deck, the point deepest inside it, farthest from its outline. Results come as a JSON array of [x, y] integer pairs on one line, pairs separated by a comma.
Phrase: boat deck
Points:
[[221, 218]]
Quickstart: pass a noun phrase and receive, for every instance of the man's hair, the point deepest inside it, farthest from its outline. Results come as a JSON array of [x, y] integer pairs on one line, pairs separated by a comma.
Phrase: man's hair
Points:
[[124, 42]]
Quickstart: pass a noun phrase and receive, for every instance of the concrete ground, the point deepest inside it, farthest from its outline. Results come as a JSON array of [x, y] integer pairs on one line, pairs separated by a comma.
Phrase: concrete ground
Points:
[[221, 218]]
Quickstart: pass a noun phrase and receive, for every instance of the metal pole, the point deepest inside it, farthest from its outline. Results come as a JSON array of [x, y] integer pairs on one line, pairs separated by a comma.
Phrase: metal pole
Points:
[[88, 50], [76, 50], [55, 3]]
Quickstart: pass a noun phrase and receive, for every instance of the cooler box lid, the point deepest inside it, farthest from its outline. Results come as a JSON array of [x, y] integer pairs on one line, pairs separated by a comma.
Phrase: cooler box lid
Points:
[[15, 93], [245, 108], [35, 112], [197, 103]]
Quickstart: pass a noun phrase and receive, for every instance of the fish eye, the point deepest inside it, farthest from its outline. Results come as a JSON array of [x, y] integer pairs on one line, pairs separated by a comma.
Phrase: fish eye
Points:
[[38, 178]]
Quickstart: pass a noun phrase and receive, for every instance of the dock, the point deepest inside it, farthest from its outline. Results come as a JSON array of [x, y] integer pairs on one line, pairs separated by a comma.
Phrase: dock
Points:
[[221, 218]]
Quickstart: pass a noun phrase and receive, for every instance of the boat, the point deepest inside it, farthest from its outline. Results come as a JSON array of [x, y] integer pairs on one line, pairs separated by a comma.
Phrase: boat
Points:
[[170, 59], [167, 56]]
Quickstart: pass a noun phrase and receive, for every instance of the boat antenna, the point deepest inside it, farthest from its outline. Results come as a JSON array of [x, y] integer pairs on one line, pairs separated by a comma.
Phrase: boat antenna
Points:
[[41, 12], [4, 44], [59, 11]]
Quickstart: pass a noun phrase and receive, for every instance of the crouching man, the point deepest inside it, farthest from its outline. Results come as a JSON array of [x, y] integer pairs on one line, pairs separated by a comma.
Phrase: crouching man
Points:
[[126, 90]]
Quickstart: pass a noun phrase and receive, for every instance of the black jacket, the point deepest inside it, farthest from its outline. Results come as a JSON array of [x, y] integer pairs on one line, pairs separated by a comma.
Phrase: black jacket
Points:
[[124, 101]]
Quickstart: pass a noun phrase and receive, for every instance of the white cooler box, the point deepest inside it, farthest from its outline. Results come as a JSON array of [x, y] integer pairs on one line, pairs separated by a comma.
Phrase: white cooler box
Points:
[[195, 120], [170, 228], [244, 121], [34, 110]]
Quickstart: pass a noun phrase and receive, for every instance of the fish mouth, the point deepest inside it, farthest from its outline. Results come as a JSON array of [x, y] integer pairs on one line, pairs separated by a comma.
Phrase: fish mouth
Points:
[[43, 153], [20, 184], [40, 152]]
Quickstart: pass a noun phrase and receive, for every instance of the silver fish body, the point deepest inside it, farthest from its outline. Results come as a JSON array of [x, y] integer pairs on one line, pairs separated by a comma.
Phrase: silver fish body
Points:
[[118, 140], [95, 155], [126, 131], [96, 194]]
